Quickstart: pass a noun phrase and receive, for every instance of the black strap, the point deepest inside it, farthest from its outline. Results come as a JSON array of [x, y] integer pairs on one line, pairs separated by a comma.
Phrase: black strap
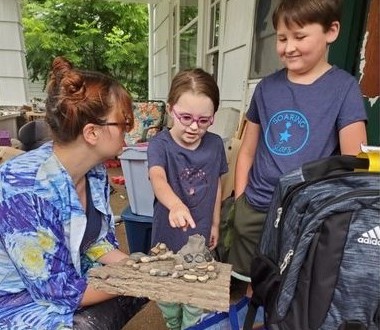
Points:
[[251, 314], [108, 315], [94, 222], [352, 325], [334, 164]]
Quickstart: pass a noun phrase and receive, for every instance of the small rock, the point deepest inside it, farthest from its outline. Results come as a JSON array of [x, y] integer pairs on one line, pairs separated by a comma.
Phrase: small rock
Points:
[[162, 246], [154, 272], [155, 250], [137, 256], [179, 267], [202, 266], [199, 258], [163, 273], [210, 268], [190, 278], [203, 278], [130, 262], [175, 275], [145, 259], [212, 275]]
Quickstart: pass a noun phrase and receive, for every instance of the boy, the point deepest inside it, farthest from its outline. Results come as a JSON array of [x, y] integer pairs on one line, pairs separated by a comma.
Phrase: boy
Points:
[[308, 110]]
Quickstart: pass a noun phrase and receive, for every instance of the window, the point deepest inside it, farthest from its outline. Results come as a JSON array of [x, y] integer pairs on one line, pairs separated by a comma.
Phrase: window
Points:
[[212, 57], [188, 47], [175, 38], [184, 32], [188, 12], [264, 59], [214, 23]]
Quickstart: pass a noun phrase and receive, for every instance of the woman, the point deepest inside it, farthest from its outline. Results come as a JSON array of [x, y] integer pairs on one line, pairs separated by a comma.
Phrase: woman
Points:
[[55, 218]]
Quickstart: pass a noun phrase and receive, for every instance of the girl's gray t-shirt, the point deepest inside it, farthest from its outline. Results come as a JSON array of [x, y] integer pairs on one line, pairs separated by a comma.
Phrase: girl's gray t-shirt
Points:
[[193, 176]]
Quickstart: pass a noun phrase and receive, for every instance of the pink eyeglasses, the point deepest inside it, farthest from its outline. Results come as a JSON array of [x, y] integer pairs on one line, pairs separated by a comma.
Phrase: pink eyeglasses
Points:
[[187, 119]]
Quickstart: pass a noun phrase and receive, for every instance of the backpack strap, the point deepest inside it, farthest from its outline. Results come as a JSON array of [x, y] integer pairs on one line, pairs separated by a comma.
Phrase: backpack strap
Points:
[[334, 164], [253, 305], [352, 325]]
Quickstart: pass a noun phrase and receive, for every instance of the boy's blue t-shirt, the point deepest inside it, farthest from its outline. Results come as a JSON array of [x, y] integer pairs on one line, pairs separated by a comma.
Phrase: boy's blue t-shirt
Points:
[[193, 175], [299, 123]]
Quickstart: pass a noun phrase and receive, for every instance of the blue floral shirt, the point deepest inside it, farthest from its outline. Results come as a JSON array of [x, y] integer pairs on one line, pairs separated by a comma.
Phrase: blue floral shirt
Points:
[[42, 223]]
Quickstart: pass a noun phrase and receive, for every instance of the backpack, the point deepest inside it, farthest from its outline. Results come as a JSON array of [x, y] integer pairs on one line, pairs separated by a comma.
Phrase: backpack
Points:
[[227, 212], [317, 265]]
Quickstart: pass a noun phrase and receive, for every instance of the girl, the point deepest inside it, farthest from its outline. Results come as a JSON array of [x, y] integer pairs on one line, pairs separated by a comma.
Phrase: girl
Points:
[[185, 165]]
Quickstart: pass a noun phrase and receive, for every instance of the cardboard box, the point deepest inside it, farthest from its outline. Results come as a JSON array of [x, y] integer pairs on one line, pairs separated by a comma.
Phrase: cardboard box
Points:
[[227, 179], [8, 153]]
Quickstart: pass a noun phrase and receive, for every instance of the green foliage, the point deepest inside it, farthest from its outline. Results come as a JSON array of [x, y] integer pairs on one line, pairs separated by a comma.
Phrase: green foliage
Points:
[[106, 36]]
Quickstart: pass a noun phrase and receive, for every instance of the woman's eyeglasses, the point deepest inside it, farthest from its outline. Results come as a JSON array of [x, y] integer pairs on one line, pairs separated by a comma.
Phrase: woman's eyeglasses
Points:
[[187, 119], [125, 125]]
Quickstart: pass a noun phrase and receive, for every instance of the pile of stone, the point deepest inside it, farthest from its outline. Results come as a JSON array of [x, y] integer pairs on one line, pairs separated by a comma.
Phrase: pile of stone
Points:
[[192, 263]]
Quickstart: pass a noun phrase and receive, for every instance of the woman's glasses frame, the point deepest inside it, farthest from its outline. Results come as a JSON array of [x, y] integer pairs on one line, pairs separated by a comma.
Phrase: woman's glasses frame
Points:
[[126, 124]]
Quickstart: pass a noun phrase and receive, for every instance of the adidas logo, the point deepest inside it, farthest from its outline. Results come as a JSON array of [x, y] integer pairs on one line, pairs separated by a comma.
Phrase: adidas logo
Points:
[[371, 237]]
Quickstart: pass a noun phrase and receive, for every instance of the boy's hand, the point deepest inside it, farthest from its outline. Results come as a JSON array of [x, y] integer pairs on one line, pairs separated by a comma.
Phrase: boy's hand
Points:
[[180, 217], [214, 236]]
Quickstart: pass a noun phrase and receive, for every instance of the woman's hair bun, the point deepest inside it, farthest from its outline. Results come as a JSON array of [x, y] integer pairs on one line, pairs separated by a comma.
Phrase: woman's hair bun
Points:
[[61, 66], [70, 80]]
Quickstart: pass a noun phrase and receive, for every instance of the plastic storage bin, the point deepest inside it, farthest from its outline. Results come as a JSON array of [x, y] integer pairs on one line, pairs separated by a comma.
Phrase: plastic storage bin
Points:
[[139, 231], [134, 164]]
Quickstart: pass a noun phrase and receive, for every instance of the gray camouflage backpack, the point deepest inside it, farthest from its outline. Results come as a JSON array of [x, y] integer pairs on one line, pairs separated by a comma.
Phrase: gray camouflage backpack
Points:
[[318, 262]]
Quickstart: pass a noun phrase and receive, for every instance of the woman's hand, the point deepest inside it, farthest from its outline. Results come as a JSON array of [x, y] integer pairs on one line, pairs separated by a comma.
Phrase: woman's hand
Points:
[[113, 256]]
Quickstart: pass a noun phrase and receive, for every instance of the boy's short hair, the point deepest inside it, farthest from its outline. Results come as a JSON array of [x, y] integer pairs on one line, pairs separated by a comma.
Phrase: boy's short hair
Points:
[[301, 12]]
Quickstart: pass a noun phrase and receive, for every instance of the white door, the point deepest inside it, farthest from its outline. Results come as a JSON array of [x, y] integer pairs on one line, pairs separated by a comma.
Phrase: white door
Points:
[[13, 74]]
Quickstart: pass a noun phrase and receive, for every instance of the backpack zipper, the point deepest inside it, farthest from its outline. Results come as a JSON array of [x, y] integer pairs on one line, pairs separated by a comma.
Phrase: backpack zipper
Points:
[[278, 217], [286, 261]]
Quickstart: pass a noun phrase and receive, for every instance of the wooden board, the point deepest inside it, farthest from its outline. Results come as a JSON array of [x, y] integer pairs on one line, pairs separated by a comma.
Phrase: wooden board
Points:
[[118, 278], [8, 153]]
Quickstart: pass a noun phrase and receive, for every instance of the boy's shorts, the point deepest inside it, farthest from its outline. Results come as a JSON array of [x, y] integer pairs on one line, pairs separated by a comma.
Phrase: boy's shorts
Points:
[[248, 225]]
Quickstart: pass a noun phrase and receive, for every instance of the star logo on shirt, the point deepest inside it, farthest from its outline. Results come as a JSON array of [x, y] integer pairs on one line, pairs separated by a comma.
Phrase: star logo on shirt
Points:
[[287, 132], [284, 136]]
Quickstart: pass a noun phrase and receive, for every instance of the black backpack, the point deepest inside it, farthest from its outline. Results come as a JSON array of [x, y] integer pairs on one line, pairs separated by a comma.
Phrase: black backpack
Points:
[[318, 262]]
